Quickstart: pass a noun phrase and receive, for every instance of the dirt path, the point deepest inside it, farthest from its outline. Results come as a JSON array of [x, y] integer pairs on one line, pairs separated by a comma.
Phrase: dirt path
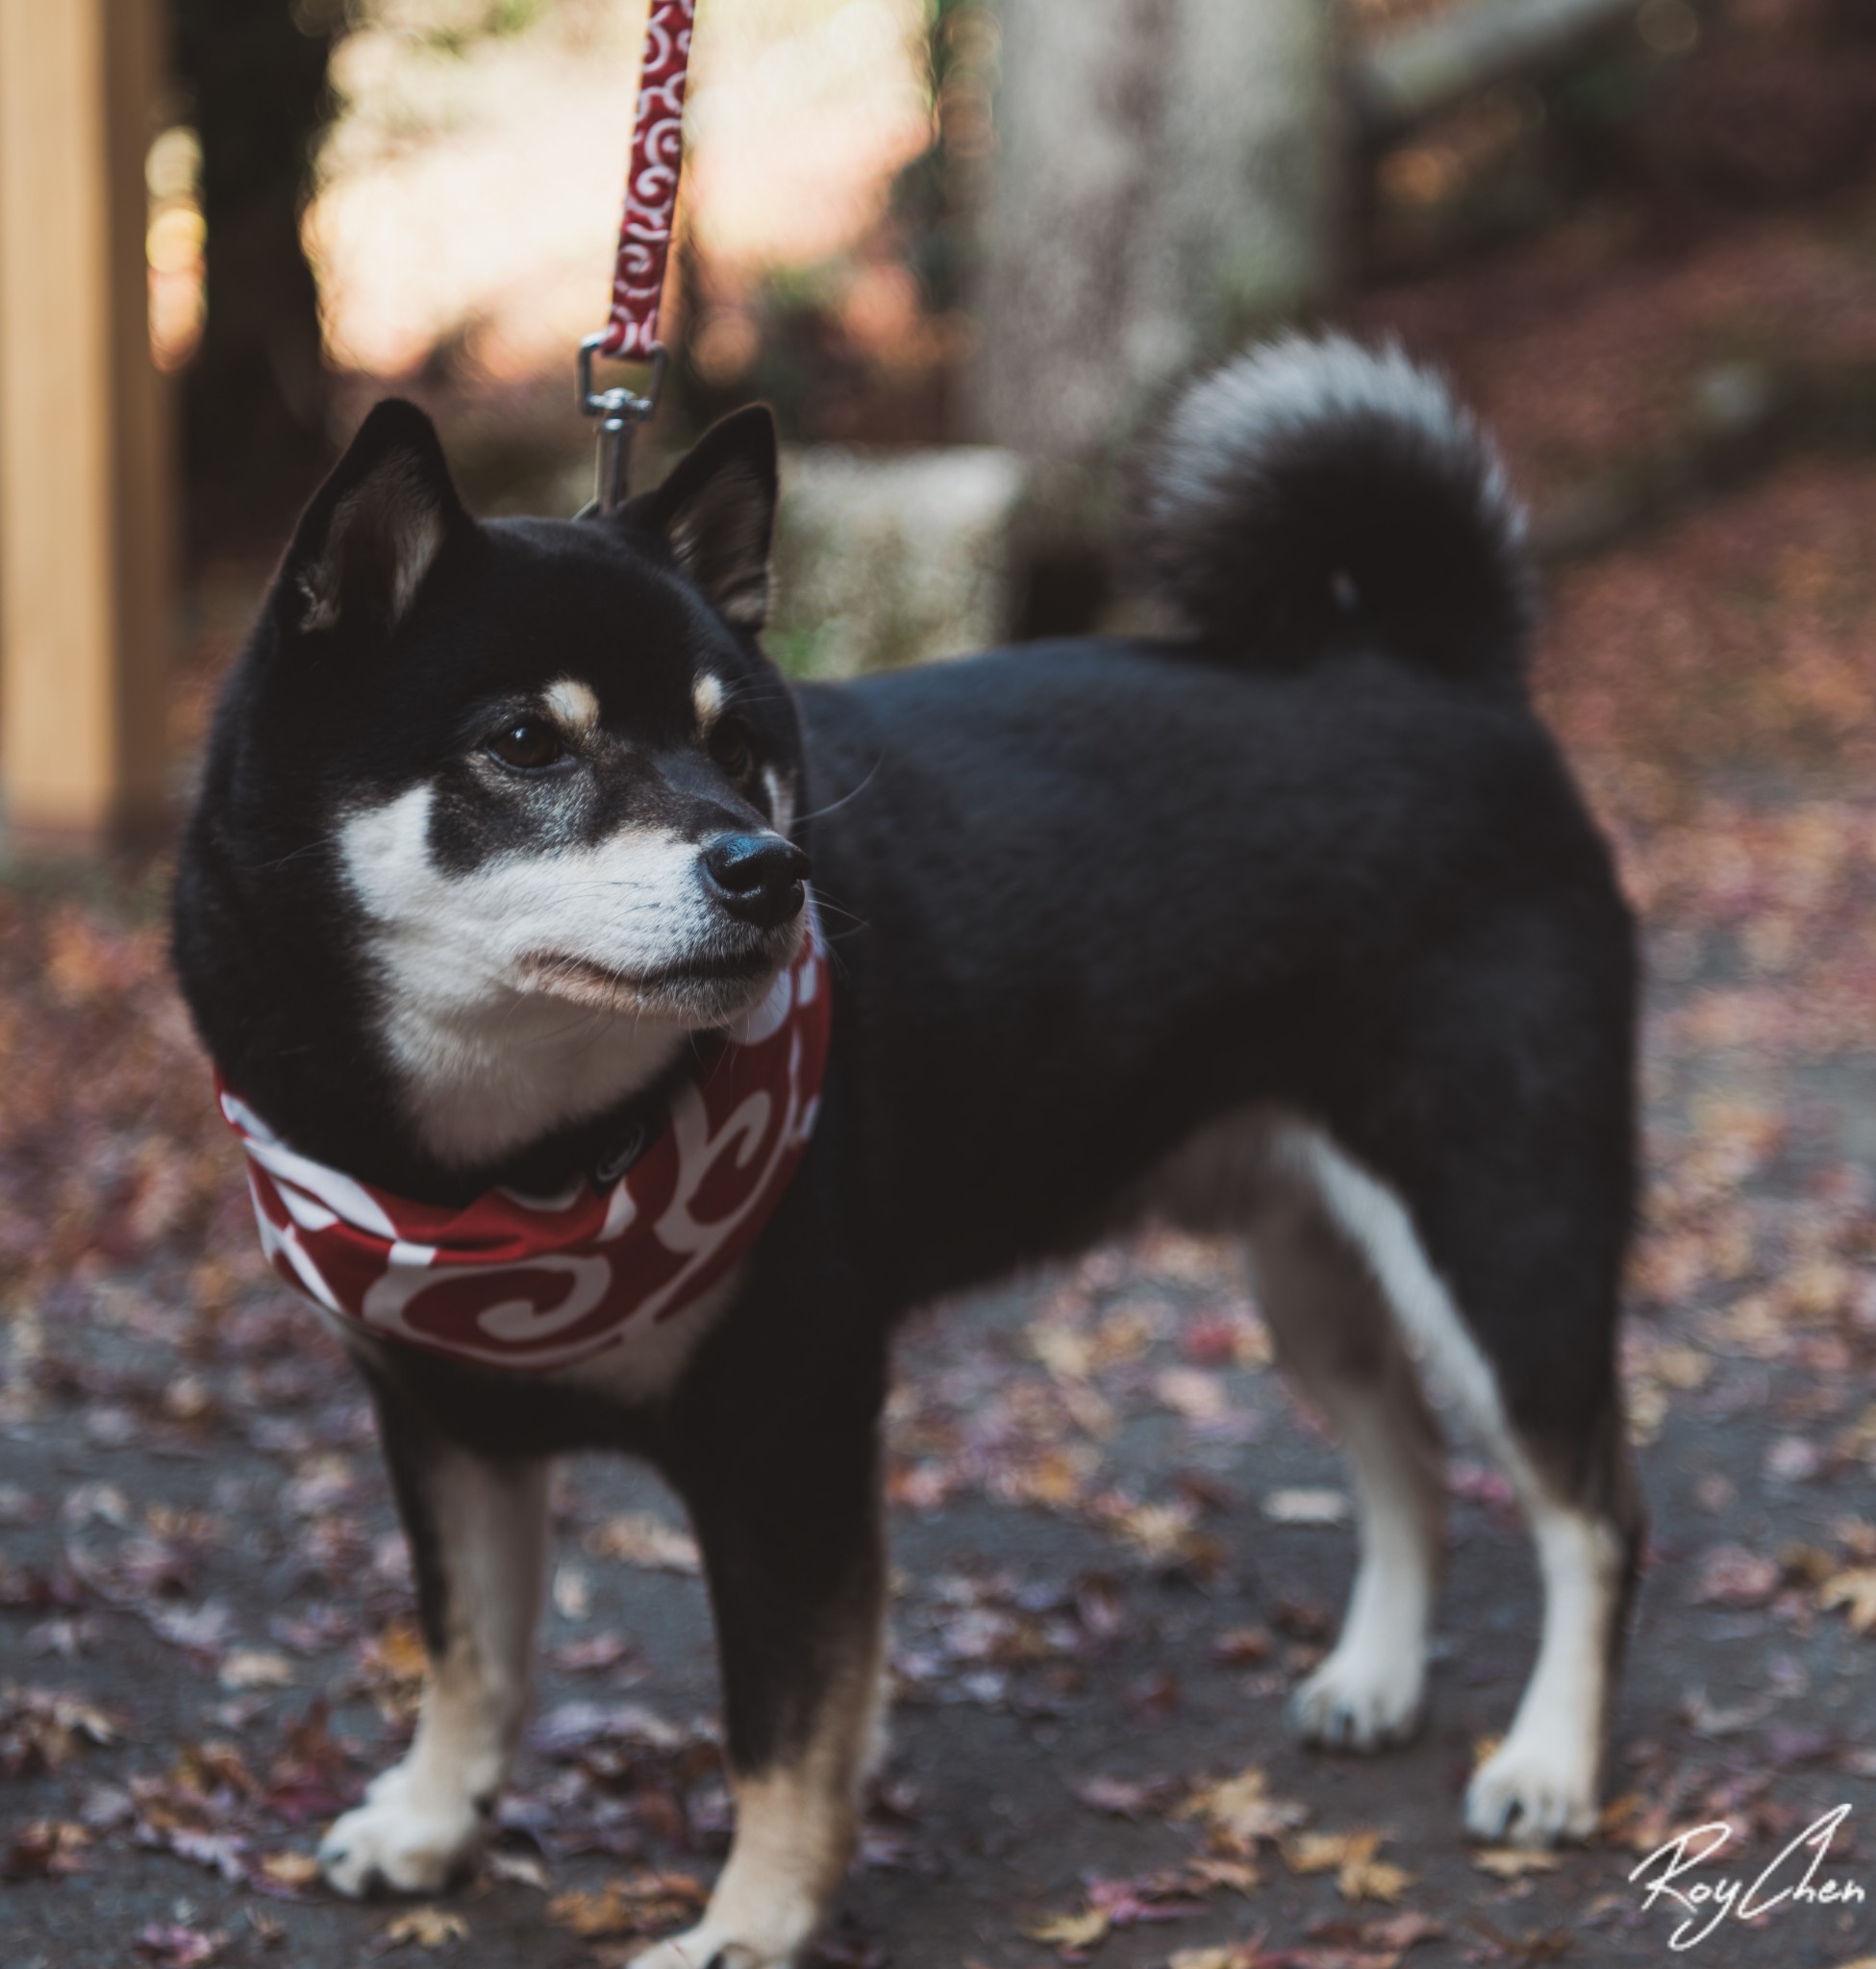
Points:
[[1110, 1571]]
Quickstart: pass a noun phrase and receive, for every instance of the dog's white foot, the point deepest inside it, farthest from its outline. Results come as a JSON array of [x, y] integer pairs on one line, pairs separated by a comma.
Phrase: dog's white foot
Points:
[[1363, 1697], [714, 1946], [1537, 1788], [411, 1836]]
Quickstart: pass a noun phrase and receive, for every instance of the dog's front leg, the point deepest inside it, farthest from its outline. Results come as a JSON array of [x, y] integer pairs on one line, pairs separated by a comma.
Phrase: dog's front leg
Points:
[[792, 1548], [477, 1530]]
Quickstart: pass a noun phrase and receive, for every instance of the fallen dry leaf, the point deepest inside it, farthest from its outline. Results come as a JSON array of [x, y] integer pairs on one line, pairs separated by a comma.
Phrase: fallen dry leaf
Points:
[[1854, 1589], [1193, 1393], [1351, 1856], [1124, 1798], [1403, 1930], [1362, 1878], [631, 1904], [1731, 1576], [1242, 1647], [522, 1868], [638, 1538], [47, 1849], [1206, 1871], [41, 1729], [1072, 1935], [291, 1870], [1377, 1943], [1315, 1852], [423, 1928], [254, 1668], [173, 1945], [1241, 1810], [1514, 1862], [1306, 1507]]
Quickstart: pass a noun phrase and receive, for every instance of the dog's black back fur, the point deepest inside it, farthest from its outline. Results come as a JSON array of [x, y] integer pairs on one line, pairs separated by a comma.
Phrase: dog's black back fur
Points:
[[1388, 891]]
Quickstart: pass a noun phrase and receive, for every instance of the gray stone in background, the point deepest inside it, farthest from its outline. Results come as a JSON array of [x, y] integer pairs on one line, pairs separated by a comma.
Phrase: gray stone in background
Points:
[[887, 559], [881, 557]]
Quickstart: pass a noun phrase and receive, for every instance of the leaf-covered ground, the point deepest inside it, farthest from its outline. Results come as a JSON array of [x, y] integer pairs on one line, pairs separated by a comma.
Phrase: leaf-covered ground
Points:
[[1119, 1541]]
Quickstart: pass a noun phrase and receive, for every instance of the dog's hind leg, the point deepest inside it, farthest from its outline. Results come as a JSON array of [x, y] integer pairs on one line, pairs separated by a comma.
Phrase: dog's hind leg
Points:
[[1530, 1360], [1335, 1335], [477, 1530]]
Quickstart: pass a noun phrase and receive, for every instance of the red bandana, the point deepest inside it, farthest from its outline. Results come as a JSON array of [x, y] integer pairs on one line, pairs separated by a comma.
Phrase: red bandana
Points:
[[529, 1283]]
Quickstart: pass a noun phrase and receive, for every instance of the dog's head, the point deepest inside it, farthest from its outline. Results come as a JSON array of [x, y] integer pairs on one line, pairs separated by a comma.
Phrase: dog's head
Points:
[[554, 773]]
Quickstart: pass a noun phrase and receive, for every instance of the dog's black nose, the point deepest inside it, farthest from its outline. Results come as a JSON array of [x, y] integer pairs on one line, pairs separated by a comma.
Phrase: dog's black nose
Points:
[[757, 877]]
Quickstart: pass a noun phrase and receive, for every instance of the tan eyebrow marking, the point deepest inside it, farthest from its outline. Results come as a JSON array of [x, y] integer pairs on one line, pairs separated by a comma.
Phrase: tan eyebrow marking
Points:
[[707, 694], [574, 704]]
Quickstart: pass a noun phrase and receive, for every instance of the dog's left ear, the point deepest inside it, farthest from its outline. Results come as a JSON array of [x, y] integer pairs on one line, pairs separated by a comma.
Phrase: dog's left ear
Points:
[[717, 511], [374, 529]]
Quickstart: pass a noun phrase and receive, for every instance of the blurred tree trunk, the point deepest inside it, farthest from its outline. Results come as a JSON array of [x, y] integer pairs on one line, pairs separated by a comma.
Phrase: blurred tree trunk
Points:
[[255, 396], [1166, 180]]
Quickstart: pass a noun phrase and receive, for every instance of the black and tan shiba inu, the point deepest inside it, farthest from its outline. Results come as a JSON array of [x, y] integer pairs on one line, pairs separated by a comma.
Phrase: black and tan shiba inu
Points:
[[1290, 925]]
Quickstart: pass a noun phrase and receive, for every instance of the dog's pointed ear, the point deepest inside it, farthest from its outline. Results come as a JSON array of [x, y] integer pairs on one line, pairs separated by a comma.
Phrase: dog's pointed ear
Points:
[[716, 513], [375, 529]]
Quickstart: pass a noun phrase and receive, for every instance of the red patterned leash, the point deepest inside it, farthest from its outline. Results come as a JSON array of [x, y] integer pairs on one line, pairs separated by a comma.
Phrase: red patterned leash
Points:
[[651, 196]]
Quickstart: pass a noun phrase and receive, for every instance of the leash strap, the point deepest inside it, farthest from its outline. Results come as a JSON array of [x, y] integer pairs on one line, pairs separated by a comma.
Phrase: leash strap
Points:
[[651, 187], [651, 196]]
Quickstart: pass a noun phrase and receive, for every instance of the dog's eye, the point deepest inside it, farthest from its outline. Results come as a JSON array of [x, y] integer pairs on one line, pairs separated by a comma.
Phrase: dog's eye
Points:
[[731, 749], [527, 745]]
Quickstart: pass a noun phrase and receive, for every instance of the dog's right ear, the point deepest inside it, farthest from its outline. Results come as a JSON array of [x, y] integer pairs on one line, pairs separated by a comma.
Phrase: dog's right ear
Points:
[[374, 529], [716, 514]]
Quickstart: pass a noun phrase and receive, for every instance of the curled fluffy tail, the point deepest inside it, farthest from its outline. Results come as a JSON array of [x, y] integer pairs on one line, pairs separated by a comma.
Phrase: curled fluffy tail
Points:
[[1314, 493]]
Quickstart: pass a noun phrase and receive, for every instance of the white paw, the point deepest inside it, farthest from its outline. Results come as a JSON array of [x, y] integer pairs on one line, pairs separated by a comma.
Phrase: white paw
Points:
[[406, 1836], [706, 1944], [1534, 1792], [1361, 1698]]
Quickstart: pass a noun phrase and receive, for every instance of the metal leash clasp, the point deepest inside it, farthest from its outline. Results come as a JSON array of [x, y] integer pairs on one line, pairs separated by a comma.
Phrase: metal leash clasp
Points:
[[619, 411]]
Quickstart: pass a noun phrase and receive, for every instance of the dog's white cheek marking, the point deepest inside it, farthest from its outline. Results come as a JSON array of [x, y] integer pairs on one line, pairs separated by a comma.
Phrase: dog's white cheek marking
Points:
[[1542, 1784], [490, 1063], [423, 1820]]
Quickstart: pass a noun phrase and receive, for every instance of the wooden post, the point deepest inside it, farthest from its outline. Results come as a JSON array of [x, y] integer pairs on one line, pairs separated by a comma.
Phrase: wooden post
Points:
[[86, 493]]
